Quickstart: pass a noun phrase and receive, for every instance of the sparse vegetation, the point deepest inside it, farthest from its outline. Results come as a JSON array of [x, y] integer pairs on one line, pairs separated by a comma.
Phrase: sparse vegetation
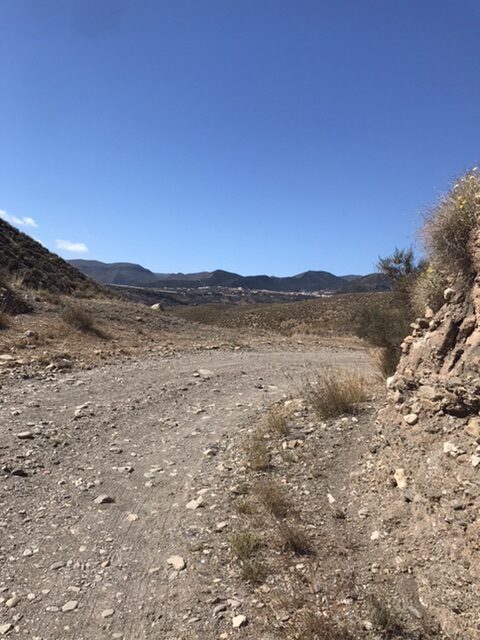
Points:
[[79, 318], [273, 497], [448, 230], [294, 539], [253, 571], [387, 619], [258, 455], [244, 545], [313, 626], [334, 393], [277, 422]]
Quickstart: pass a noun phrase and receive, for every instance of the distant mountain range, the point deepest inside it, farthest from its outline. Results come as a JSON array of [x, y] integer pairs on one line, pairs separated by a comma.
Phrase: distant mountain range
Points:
[[126, 273]]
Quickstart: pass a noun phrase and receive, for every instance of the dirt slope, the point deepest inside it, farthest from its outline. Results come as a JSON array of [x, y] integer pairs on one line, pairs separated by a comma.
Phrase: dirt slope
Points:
[[150, 436]]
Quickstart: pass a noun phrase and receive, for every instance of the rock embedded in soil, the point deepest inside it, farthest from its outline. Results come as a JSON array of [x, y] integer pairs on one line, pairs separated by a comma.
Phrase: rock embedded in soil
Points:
[[177, 562], [71, 605], [104, 499], [239, 621]]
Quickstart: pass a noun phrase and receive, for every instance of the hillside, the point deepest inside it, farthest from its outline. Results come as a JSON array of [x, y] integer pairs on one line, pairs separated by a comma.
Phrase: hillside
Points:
[[24, 258], [124, 273]]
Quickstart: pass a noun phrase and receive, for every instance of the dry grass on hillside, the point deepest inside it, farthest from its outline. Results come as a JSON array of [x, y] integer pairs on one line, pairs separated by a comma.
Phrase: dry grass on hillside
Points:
[[329, 316]]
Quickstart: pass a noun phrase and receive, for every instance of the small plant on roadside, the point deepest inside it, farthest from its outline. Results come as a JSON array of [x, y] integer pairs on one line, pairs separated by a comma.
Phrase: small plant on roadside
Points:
[[253, 571], [313, 626], [294, 539], [277, 422], [244, 545], [335, 393], [258, 455], [273, 497], [387, 619], [244, 506]]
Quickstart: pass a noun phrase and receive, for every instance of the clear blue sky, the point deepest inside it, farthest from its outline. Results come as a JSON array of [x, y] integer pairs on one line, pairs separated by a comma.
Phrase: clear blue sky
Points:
[[258, 136]]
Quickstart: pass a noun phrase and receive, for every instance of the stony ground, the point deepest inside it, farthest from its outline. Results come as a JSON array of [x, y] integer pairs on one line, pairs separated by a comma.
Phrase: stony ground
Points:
[[114, 513]]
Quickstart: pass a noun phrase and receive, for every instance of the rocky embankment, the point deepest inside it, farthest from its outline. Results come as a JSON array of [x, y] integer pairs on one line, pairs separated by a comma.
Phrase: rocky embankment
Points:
[[431, 460]]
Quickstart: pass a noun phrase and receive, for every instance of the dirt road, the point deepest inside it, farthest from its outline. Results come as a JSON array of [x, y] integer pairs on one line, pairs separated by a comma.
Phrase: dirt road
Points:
[[108, 473]]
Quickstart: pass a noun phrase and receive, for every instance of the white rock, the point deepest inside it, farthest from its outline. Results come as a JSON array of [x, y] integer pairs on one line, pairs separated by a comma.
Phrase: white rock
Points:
[[71, 605], [450, 449], [107, 613], [177, 562], [194, 504], [5, 628], [400, 478], [411, 419], [475, 460], [239, 621], [12, 602]]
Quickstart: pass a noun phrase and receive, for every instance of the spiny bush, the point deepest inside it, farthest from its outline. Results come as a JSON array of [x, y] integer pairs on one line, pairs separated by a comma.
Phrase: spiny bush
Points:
[[447, 232], [335, 393]]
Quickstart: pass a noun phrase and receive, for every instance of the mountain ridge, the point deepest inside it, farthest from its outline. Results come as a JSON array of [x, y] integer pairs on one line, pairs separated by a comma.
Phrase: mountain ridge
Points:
[[131, 274]]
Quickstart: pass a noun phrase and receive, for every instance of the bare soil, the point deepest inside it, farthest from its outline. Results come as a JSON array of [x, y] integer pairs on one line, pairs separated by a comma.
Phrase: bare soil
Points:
[[98, 467]]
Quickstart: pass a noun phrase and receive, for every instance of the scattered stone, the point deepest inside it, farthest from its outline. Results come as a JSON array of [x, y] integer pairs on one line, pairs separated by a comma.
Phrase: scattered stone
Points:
[[239, 621], [71, 605], [400, 478], [177, 562], [25, 435], [411, 419], [473, 427], [104, 499], [450, 449], [107, 613], [12, 602], [194, 504], [5, 628]]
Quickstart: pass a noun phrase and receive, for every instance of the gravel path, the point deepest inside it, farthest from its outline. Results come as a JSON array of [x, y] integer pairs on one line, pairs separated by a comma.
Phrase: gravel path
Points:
[[97, 470]]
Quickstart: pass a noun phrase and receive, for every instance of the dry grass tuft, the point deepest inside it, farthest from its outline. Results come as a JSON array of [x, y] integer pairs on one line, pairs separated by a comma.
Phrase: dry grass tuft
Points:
[[258, 455], [80, 319], [244, 506], [313, 626], [294, 539], [277, 422], [253, 571], [273, 497], [335, 393], [244, 545], [448, 230]]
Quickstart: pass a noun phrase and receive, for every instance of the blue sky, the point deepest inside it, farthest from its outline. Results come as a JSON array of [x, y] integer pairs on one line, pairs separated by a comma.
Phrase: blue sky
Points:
[[257, 136]]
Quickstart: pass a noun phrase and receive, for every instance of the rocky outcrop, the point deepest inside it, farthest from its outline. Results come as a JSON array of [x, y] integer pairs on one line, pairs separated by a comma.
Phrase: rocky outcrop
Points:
[[430, 467]]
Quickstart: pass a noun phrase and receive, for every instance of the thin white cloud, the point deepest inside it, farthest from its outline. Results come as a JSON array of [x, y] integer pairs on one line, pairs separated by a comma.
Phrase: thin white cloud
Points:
[[72, 247], [18, 222]]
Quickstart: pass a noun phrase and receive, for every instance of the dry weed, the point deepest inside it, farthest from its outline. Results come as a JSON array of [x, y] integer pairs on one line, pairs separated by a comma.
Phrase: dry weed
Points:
[[335, 393], [273, 497]]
